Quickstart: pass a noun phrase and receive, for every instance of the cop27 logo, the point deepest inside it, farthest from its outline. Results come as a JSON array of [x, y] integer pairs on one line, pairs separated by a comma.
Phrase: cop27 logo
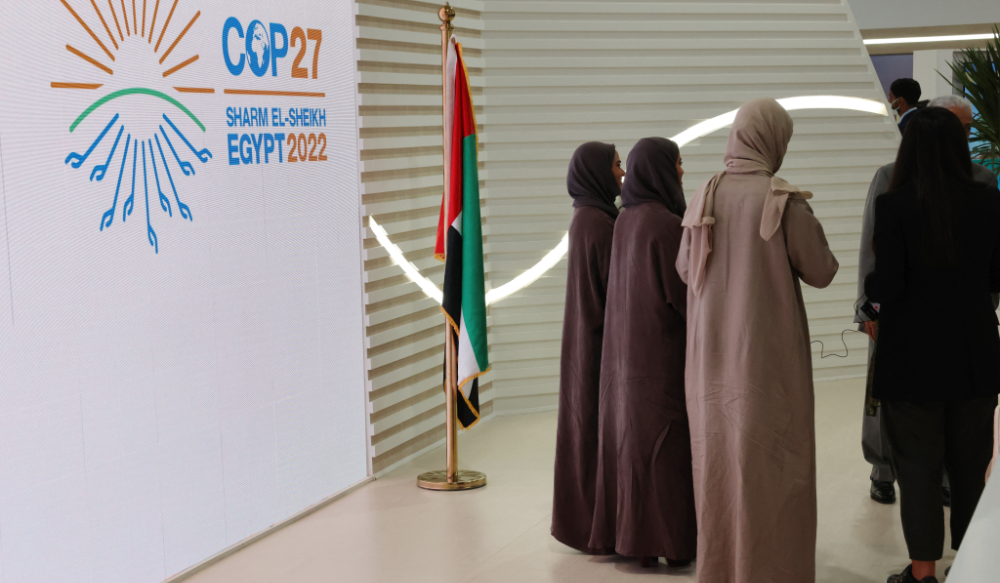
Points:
[[264, 47], [278, 134], [153, 151]]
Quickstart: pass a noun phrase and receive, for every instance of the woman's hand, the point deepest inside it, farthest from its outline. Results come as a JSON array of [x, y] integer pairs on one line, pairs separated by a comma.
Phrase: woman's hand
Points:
[[871, 328]]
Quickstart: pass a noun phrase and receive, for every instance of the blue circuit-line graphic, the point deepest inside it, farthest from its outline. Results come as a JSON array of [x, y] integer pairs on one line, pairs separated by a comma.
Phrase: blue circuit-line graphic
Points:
[[99, 171]]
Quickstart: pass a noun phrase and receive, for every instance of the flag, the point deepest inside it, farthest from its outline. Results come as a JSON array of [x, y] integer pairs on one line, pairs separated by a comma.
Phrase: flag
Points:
[[460, 232]]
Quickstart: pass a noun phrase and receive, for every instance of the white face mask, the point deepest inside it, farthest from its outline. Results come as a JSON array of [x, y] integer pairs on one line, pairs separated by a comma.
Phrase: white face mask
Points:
[[895, 110]]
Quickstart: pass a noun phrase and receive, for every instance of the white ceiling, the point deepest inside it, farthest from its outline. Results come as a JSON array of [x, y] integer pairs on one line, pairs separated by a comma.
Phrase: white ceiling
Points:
[[913, 13]]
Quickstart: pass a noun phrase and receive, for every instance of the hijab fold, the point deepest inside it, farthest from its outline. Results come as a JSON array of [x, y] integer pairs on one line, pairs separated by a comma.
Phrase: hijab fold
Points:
[[591, 181], [757, 145], [652, 176]]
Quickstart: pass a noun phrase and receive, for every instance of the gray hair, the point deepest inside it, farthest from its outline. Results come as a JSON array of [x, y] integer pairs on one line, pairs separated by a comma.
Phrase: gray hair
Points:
[[952, 102]]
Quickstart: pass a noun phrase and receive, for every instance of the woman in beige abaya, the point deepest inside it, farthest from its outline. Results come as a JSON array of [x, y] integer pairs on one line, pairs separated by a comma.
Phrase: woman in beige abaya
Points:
[[749, 239]]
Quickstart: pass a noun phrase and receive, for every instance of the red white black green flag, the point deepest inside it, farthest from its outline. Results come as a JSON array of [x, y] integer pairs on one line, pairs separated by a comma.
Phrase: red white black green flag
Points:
[[460, 232]]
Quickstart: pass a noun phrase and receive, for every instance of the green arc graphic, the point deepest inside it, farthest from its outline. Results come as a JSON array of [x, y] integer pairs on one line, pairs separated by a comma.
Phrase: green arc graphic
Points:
[[134, 91]]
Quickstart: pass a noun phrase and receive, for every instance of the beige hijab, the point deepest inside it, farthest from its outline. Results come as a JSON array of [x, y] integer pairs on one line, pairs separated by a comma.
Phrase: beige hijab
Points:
[[757, 144]]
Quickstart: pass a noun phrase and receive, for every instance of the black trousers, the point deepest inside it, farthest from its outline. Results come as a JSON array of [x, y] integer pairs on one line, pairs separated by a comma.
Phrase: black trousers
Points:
[[927, 437]]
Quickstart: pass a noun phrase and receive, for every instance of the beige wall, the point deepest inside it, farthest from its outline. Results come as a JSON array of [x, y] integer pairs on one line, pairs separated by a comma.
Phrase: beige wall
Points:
[[561, 73], [927, 66], [919, 13], [553, 75]]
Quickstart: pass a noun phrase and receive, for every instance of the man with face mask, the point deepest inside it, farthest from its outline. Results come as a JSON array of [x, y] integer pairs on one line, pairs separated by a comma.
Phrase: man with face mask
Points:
[[874, 443], [903, 96]]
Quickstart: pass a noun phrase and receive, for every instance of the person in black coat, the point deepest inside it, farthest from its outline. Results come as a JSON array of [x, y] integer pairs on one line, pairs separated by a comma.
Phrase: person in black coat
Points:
[[937, 371], [904, 96]]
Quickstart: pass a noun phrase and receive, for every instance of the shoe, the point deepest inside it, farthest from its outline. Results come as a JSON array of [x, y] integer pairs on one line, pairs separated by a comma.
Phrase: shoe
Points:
[[946, 496], [678, 564], [907, 577], [883, 492], [649, 562]]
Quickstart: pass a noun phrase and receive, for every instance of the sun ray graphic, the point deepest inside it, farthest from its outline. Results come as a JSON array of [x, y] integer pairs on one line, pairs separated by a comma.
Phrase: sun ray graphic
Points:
[[165, 25], [128, 30], [143, 162], [152, 25], [104, 23], [117, 24]]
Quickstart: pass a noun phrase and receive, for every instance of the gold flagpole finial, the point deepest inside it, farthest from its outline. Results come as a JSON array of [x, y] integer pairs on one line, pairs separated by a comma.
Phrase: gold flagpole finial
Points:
[[446, 14]]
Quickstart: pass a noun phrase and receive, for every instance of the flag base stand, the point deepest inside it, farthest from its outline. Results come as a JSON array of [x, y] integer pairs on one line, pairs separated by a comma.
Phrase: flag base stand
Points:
[[463, 480], [451, 479]]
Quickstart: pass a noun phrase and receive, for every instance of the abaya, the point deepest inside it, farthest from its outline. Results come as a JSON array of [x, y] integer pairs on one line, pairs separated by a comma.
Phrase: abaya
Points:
[[645, 499], [593, 187], [749, 238]]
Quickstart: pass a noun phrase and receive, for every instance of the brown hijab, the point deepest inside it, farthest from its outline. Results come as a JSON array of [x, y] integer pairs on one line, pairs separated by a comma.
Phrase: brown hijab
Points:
[[652, 176], [591, 181], [757, 144]]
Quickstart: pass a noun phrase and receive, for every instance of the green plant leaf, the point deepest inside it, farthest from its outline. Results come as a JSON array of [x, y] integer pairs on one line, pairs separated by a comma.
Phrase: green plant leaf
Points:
[[977, 74]]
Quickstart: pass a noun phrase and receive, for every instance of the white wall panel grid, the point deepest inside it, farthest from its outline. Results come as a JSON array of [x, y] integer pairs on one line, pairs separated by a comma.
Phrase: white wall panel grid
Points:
[[177, 383], [564, 72]]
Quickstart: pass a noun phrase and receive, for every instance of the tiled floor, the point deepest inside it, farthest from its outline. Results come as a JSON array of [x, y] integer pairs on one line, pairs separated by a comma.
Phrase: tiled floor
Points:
[[390, 531]]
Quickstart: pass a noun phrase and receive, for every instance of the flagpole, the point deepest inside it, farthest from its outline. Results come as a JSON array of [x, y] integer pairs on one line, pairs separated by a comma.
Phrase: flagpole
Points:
[[450, 479]]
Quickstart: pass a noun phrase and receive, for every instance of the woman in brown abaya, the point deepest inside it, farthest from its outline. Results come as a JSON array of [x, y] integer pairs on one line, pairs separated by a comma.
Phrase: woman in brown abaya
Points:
[[749, 239], [594, 181], [645, 499]]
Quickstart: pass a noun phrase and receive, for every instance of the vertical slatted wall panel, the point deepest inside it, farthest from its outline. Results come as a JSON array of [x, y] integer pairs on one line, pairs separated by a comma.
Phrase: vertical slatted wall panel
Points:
[[560, 73], [399, 88]]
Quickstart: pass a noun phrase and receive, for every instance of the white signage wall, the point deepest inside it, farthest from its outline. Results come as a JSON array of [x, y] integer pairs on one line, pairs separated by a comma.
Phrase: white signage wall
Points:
[[181, 340]]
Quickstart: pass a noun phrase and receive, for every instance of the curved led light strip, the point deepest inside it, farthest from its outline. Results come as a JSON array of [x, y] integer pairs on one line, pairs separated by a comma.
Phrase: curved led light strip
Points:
[[927, 39], [553, 257], [529, 277], [399, 259], [791, 104]]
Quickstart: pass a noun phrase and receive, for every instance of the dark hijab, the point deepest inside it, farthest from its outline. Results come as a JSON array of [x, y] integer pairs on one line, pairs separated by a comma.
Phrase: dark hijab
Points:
[[591, 181], [652, 176]]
